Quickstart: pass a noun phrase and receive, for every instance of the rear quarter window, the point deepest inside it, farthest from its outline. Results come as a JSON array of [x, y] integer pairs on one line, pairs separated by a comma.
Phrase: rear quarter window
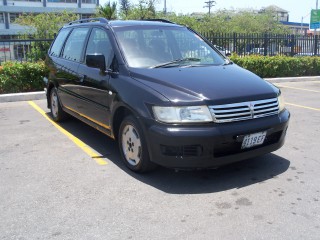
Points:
[[58, 43]]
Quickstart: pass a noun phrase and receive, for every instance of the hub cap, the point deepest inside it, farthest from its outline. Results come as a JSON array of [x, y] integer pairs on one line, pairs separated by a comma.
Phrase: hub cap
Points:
[[131, 145], [54, 104]]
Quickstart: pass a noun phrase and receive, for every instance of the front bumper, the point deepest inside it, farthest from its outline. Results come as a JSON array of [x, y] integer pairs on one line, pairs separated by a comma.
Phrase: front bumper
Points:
[[213, 145]]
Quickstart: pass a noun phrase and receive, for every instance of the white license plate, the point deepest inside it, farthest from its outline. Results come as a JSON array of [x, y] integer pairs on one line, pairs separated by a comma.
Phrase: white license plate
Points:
[[253, 139]]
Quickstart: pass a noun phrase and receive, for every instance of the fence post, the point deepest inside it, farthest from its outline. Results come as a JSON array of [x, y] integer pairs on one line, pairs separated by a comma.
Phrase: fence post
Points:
[[315, 45], [234, 42], [292, 45], [265, 45]]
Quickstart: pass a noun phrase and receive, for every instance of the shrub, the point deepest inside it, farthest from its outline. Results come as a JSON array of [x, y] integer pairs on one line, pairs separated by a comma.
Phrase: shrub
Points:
[[22, 77], [279, 66], [26, 77]]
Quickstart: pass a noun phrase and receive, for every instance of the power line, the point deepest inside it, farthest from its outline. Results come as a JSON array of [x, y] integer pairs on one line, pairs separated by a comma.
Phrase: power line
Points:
[[209, 5]]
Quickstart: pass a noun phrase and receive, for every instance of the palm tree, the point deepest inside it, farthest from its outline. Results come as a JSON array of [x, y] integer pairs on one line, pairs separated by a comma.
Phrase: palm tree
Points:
[[125, 6], [108, 11]]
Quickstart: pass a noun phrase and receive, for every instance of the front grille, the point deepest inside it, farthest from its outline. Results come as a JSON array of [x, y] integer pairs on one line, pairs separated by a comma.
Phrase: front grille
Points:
[[183, 151], [244, 110]]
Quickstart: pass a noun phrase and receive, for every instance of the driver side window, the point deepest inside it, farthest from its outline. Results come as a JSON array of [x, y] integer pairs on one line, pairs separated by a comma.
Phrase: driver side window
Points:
[[99, 43]]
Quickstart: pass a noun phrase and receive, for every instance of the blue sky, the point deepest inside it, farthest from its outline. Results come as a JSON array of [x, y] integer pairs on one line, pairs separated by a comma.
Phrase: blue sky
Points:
[[296, 8]]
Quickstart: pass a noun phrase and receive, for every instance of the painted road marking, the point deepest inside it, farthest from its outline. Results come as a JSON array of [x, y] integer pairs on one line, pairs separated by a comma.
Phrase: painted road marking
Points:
[[296, 105], [88, 150], [303, 89]]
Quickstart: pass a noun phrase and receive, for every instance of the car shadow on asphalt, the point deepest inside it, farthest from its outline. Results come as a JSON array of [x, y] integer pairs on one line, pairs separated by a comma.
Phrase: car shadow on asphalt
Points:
[[238, 175]]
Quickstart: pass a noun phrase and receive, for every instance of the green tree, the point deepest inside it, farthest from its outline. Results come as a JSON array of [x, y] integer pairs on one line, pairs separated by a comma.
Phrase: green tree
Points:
[[45, 24], [182, 20], [108, 11], [242, 22], [145, 9], [42, 26], [230, 22], [125, 7]]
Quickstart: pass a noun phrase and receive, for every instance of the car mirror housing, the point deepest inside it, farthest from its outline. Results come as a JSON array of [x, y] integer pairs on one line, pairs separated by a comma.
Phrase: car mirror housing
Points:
[[96, 61]]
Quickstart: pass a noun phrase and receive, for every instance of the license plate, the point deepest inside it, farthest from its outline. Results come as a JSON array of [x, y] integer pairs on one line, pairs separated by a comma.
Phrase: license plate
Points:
[[253, 139]]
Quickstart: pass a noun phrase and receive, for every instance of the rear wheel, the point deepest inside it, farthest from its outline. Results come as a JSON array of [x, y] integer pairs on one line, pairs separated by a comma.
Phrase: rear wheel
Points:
[[56, 110], [133, 146]]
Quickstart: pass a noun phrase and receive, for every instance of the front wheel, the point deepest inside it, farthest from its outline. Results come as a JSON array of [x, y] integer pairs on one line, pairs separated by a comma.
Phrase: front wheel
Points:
[[133, 146]]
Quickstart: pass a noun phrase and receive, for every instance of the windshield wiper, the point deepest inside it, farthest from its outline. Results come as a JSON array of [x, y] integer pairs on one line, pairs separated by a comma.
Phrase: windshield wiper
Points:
[[177, 61]]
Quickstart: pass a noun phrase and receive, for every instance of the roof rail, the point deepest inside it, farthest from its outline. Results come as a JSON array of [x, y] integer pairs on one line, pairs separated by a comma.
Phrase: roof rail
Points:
[[159, 20], [101, 20]]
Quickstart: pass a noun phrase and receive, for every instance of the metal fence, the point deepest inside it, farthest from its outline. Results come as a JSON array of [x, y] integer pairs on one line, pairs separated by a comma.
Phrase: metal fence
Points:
[[241, 44], [22, 50], [266, 44]]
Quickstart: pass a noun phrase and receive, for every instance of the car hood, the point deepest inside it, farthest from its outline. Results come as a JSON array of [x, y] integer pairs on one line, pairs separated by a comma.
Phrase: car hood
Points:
[[213, 84]]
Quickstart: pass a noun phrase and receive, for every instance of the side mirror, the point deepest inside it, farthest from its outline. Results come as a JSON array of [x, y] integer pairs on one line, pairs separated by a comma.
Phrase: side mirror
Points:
[[96, 61]]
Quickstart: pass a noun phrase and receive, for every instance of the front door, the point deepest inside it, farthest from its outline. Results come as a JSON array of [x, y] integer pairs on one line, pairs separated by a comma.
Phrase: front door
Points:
[[94, 88]]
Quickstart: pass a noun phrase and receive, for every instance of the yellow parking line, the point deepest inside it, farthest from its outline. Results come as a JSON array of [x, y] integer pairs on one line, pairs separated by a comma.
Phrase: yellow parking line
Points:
[[296, 105], [93, 154], [303, 89]]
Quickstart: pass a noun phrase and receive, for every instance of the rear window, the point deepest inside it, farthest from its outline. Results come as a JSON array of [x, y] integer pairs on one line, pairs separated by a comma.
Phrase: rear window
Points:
[[58, 43]]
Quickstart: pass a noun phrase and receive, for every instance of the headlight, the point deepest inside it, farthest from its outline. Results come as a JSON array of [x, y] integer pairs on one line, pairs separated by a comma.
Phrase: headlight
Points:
[[191, 114], [281, 102]]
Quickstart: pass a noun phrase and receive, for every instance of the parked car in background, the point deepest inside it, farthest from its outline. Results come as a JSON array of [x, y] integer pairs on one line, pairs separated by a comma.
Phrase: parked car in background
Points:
[[257, 51], [164, 93], [224, 51], [306, 54], [260, 51]]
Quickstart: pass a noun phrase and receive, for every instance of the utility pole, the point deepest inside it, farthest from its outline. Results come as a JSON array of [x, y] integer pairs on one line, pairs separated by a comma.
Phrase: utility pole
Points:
[[315, 30], [210, 4], [165, 7]]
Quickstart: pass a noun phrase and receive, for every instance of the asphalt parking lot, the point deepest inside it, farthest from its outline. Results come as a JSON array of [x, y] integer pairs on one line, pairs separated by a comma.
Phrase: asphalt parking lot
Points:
[[67, 182]]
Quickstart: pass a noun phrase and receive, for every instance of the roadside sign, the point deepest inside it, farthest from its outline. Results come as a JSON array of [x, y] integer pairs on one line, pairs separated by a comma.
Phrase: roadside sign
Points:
[[315, 19]]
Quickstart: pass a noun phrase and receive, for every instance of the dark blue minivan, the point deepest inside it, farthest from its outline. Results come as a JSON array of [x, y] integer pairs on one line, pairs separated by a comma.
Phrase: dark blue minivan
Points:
[[165, 93]]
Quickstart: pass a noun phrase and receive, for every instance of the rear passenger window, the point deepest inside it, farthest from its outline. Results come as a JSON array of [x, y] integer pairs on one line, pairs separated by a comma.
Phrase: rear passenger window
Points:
[[58, 43], [75, 44]]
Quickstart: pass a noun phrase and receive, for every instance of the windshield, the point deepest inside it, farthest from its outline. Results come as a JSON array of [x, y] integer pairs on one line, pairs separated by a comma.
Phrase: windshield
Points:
[[154, 46]]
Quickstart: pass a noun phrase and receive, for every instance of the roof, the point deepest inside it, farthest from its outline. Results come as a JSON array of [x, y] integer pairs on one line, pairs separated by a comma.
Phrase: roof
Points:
[[295, 24], [123, 23], [23, 9], [127, 23]]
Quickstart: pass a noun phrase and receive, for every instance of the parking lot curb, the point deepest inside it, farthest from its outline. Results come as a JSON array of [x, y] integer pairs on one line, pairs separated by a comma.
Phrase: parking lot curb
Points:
[[16, 97], [293, 79]]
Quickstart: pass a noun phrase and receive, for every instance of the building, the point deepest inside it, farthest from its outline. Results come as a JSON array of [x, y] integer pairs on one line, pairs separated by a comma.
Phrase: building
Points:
[[11, 9], [281, 14], [297, 28]]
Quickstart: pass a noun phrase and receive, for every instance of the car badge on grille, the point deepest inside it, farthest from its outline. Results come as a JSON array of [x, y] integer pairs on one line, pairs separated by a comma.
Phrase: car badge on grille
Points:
[[251, 108]]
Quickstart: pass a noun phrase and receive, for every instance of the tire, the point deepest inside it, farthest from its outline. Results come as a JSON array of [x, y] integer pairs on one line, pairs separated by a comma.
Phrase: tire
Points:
[[133, 147], [56, 110]]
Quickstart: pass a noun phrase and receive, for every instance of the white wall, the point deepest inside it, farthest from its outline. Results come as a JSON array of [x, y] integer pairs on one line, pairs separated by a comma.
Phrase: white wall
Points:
[[88, 5], [24, 3], [62, 5]]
